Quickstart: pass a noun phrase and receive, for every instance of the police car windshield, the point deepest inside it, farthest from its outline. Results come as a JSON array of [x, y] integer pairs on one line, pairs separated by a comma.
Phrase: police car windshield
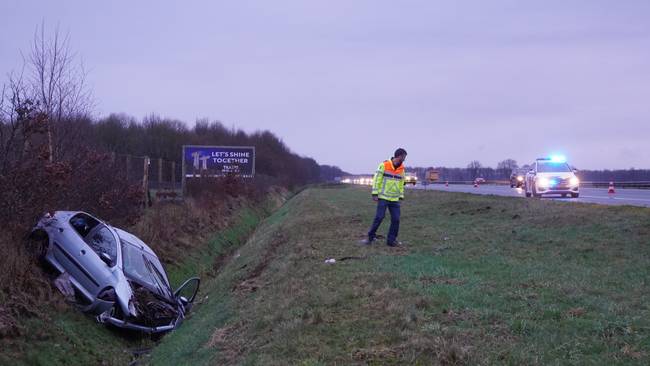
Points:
[[552, 167]]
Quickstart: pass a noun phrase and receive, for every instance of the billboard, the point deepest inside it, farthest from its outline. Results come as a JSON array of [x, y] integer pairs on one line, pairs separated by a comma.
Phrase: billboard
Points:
[[216, 161]]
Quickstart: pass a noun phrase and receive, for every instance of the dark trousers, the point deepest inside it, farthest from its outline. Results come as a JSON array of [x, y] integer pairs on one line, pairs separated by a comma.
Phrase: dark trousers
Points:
[[394, 208]]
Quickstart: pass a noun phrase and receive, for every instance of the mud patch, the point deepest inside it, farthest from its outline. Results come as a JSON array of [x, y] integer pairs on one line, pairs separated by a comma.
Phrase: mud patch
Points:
[[230, 343], [474, 211], [434, 280], [576, 313], [8, 325], [250, 282]]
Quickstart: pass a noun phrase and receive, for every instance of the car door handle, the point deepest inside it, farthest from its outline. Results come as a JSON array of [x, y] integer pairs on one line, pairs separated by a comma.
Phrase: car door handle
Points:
[[83, 251]]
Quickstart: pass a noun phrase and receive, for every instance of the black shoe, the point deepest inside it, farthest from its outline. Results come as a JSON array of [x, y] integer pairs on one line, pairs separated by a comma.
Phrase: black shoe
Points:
[[367, 241], [395, 244]]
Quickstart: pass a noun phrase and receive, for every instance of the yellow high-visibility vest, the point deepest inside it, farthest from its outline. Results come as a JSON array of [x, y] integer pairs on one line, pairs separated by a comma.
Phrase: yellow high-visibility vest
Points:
[[388, 182]]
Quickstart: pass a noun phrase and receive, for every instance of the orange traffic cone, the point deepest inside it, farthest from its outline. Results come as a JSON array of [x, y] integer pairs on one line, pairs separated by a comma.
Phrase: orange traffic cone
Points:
[[475, 184], [447, 184], [611, 189]]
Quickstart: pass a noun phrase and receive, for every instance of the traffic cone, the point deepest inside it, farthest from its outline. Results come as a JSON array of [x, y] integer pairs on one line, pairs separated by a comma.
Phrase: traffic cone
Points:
[[447, 184], [475, 184], [611, 189]]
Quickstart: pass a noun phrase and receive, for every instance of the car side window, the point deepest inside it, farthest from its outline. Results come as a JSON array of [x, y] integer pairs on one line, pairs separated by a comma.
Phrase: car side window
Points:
[[102, 241], [83, 224]]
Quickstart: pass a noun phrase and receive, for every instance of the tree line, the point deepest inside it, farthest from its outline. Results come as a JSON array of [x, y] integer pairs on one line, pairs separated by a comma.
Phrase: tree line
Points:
[[504, 168], [46, 110]]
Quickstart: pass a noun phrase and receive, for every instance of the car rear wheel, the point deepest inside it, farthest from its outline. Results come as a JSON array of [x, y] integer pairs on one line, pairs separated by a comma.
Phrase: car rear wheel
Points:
[[575, 195], [38, 244]]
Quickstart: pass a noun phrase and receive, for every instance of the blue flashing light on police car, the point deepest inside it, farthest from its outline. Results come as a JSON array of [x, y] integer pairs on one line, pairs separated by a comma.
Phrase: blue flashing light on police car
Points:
[[558, 159]]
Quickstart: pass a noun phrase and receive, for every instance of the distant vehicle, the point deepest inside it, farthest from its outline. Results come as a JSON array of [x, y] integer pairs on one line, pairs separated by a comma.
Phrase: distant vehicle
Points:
[[479, 180], [551, 176], [433, 175], [111, 273], [518, 178], [410, 178]]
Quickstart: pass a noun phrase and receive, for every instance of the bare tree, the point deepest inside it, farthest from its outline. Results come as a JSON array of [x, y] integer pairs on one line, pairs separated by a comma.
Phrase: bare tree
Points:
[[17, 120], [58, 83], [474, 168], [505, 167]]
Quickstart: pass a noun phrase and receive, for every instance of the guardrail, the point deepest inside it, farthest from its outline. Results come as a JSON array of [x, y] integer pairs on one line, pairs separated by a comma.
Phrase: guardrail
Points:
[[634, 184], [639, 184]]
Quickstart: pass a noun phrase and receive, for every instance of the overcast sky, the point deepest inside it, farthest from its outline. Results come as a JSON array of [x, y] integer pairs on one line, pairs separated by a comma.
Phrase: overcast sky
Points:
[[346, 82]]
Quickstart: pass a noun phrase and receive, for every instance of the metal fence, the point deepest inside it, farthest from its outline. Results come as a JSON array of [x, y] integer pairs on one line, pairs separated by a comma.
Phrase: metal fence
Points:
[[603, 184], [160, 179]]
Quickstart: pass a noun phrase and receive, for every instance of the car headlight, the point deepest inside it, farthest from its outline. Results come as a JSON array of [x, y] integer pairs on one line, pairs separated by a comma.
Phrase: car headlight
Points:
[[520, 178], [574, 181], [543, 182]]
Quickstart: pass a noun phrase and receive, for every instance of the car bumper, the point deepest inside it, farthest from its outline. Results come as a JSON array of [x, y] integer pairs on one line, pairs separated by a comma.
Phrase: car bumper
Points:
[[558, 190], [106, 318]]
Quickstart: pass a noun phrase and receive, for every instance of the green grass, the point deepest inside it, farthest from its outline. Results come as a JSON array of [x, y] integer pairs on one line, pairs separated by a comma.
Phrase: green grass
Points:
[[482, 280]]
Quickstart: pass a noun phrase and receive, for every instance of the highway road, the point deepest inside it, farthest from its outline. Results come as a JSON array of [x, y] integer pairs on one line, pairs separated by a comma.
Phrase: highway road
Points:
[[633, 197]]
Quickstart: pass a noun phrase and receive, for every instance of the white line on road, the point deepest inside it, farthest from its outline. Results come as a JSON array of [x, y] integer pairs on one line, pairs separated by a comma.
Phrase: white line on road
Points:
[[618, 198]]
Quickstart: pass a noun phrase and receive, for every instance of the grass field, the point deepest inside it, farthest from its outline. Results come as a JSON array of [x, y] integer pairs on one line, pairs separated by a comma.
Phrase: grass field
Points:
[[481, 280]]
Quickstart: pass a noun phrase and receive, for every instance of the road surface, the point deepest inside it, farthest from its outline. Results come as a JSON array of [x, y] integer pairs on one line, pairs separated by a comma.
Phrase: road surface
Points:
[[634, 197]]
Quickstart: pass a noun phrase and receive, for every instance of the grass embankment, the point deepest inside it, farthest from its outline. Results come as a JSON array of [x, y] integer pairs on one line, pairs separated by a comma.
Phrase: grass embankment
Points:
[[189, 239], [482, 280]]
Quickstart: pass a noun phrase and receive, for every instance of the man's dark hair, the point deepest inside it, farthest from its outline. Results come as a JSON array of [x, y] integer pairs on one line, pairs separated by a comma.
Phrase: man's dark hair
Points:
[[400, 152]]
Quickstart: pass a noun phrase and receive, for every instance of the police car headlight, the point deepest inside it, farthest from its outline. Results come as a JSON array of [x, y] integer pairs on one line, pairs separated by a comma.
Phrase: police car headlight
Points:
[[520, 178], [543, 182], [574, 181]]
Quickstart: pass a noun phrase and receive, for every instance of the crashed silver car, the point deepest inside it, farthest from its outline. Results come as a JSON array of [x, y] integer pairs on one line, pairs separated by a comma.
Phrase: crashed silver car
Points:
[[111, 273]]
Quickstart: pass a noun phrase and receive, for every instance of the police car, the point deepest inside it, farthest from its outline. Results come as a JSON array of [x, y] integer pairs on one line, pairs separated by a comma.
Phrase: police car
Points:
[[552, 176]]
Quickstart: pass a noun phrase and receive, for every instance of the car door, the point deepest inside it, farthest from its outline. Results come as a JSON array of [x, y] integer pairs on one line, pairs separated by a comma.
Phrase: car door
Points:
[[100, 239], [70, 250], [187, 292]]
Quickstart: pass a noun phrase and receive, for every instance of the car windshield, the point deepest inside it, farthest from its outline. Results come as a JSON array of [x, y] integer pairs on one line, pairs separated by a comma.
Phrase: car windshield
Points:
[[145, 268], [552, 167]]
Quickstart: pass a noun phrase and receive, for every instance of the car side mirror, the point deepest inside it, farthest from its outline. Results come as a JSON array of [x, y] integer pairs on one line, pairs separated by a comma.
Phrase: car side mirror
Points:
[[106, 259], [184, 300], [187, 291]]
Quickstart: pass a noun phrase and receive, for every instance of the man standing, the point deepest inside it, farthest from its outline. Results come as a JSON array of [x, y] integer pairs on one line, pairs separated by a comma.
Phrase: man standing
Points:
[[388, 191]]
